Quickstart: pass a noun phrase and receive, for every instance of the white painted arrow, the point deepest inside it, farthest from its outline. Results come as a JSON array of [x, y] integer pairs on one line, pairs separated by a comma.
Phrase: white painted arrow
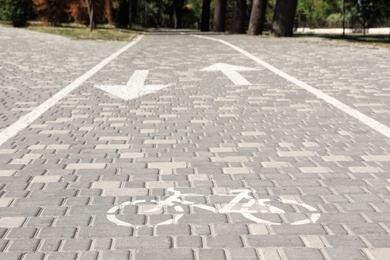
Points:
[[231, 72], [134, 88]]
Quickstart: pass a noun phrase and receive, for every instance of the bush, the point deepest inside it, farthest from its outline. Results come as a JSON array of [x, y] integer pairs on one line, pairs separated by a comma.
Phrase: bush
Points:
[[16, 11]]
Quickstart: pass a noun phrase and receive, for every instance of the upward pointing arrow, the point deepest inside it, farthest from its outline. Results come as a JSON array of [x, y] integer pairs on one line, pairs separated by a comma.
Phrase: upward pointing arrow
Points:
[[231, 72], [134, 88]]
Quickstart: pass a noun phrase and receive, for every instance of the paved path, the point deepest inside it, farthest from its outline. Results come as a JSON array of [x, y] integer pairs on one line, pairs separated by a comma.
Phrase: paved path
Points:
[[232, 164]]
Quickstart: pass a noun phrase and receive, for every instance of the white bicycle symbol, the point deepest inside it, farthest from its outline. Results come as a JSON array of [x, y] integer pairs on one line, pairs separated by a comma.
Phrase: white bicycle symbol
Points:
[[247, 209]]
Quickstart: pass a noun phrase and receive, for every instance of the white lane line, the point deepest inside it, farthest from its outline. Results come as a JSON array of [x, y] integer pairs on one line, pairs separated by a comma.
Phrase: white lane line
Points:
[[377, 126], [27, 119]]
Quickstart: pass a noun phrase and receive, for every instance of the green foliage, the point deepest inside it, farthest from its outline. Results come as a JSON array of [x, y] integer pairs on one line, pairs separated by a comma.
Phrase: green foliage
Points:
[[329, 13], [16, 11], [314, 13], [372, 12]]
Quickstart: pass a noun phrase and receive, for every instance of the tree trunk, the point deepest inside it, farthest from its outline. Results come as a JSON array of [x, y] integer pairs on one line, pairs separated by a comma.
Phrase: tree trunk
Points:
[[205, 20], [134, 11], [91, 14], [283, 21], [178, 11], [108, 9], [130, 14], [257, 19], [122, 16], [220, 15], [239, 16]]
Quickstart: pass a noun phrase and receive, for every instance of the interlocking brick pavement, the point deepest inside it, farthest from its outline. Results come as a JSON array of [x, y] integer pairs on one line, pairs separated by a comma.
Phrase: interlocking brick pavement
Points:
[[204, 137]]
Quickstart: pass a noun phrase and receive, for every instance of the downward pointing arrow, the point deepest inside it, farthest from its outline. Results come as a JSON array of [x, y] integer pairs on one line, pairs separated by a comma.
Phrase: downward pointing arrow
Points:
[[231, 72], [134, 88]]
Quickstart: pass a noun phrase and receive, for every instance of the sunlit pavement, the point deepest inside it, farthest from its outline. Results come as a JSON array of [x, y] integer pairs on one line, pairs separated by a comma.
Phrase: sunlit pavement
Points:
[[184, 146]]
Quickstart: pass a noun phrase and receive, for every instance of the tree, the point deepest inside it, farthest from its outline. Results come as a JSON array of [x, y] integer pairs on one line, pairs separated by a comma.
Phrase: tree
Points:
[[52, 12], [91, 14], [220, 15], [178, 13], [16, 11], [372, 12], [96, 12], [257, 19], [283, 21], [205, 18], [239, 16], [78, 10], [88, 12], [122, 16], [108, 11]]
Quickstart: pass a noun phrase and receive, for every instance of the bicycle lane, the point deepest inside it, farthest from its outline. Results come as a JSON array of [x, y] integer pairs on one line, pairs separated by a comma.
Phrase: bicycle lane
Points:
[[302, 150], [70, 149], [356, 74], [34, 66], [202, 135]]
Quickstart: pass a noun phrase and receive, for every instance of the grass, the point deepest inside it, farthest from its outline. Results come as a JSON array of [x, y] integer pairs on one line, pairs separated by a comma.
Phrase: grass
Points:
[[111, 33], [81, 32], [374, 40]]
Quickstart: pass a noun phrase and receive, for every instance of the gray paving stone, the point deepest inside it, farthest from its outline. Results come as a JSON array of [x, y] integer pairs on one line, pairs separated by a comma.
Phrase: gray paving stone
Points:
[[356, 207], [335, 229], [72, 245], [229, 229], [242, 253], [377, 253], [10, 256], [50, 245], [33, 256], [60, 232], [376, 240], [201, 230], [175, 230], [272, 137], [210, 254], [345, 241], [377, 216], [203, 218], [224, 241], [23, 245], [85, 210], [366, 229], [272, 241], [17, 211], [309, 229], [3, 244], [302, 253], [61, 255], [142, 242], [332, 218], [152, 253], [38, 202], [88, 255], [103, 232], [341, 252], [101, 244], [116, 254], [22, 233], [188, 242], [52, 211]]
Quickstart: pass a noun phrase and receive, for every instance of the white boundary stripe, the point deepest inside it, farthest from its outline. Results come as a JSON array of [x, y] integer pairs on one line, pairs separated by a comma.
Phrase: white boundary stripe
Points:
[[377, 126], [27, 119]]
